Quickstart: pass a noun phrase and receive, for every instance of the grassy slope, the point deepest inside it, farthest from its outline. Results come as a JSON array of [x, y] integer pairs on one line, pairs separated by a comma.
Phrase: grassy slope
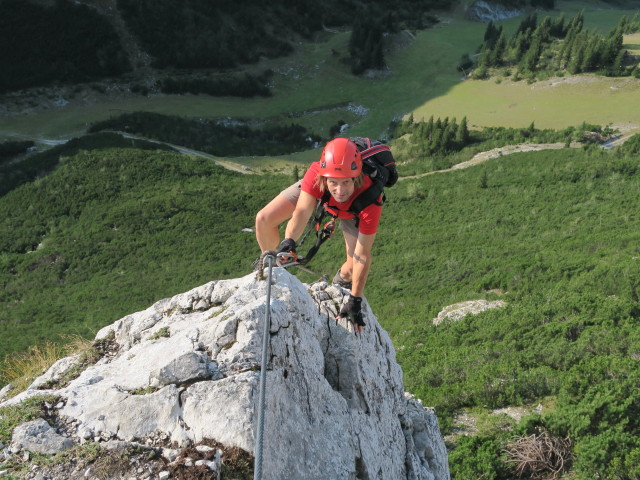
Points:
[[106, 234]]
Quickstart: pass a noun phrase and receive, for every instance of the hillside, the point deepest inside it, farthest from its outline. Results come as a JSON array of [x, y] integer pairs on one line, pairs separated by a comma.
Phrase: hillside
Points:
[[550, 234]]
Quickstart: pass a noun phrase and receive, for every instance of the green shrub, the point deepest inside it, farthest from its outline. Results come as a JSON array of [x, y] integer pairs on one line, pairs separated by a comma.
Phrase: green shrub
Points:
[[478, 457], [613, 455]]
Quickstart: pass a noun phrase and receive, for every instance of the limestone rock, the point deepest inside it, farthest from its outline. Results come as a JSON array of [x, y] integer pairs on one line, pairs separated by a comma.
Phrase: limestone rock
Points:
[[38, 436], [457, 311], [187, 370]]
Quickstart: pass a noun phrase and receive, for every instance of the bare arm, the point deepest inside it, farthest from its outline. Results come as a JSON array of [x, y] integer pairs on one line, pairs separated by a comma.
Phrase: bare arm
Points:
[[304, 209], [361, 263]]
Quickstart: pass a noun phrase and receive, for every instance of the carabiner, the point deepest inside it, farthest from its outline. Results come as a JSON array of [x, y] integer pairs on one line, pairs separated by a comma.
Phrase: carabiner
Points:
[[285, 258]]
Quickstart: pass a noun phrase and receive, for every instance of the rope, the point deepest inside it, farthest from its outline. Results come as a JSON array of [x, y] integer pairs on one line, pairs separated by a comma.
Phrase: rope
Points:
[[257, 471]]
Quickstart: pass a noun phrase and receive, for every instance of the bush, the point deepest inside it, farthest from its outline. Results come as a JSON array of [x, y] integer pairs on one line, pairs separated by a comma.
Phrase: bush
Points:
[[477, 457], [613, 455], [630, 147]]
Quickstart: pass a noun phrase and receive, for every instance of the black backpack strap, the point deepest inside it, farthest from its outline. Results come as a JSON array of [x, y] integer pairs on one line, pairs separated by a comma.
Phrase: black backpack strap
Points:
[[370, 196], [323, 232], [375, 150]]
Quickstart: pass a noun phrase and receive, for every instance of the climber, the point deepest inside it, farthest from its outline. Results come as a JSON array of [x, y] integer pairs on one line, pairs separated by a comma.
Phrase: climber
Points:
[[337, 180]]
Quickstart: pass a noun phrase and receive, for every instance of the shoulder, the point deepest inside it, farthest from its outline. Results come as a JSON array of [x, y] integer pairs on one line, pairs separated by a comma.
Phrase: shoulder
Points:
[[314, 167], [309, 183]]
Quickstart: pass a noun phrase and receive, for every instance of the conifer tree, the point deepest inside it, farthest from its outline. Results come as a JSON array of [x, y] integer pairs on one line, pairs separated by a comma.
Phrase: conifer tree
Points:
[[499, 49], [577, 55], [590, 58], [522, 43], [618, 64], [448, 137], [436, 140], [462, 133], [429, 128], [529, 23], [543, 31], [557, 27], [366, 43], [613, 46], [530, 60]]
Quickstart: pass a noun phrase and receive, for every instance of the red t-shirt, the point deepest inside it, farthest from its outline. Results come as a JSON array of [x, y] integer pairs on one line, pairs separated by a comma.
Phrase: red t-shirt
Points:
[[369, 216]]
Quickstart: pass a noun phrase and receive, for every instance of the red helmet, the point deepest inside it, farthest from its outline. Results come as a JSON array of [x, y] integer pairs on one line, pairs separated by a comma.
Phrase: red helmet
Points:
[[340, 158]]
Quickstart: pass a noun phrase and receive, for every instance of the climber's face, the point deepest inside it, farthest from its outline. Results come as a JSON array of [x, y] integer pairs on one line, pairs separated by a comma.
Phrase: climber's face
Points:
[[340, 188]]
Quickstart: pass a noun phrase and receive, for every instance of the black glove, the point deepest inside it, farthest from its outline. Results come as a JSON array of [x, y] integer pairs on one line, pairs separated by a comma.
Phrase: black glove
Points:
[[352, 311], [287, 245]]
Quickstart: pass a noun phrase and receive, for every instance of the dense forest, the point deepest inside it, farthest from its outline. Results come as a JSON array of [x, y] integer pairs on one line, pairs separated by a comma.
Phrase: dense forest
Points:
[[554, 46], [67, 42], [82, 45]]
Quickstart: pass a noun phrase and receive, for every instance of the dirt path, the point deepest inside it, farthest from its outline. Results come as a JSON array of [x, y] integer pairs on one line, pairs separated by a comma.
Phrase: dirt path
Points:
[[184, 150], [495, 153], [530, 147], [195, 153]]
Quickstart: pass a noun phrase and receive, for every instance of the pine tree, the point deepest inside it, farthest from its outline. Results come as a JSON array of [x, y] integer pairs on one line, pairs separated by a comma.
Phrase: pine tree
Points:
[[429, 127], [522, 43], [462, 133], [618, 64], [543, 31], [529, 23], [557, 27], [530, 59], [613, 47], [366, 45], [448, 137], [435, 145], [498, 51], [577, 56], [484, 180], [590, 58]]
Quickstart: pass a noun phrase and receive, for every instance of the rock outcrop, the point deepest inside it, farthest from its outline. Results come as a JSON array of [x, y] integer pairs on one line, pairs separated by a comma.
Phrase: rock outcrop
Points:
[[485, 12], [458, 311], [186, 371]]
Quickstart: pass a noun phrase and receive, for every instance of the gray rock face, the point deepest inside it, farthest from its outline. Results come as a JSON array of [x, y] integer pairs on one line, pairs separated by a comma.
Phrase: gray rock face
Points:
[[485, 12], [38, 436], [188, 367]]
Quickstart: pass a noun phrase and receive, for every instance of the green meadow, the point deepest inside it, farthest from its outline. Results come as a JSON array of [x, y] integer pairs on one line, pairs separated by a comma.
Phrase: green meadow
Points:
[[556, 103]]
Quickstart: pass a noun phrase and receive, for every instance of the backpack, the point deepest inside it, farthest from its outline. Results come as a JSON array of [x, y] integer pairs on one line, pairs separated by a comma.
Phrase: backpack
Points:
[[380, 166]]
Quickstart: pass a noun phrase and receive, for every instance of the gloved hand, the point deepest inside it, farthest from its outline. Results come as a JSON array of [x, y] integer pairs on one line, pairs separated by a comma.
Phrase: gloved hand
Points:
[[352, 311], [287, 245]]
